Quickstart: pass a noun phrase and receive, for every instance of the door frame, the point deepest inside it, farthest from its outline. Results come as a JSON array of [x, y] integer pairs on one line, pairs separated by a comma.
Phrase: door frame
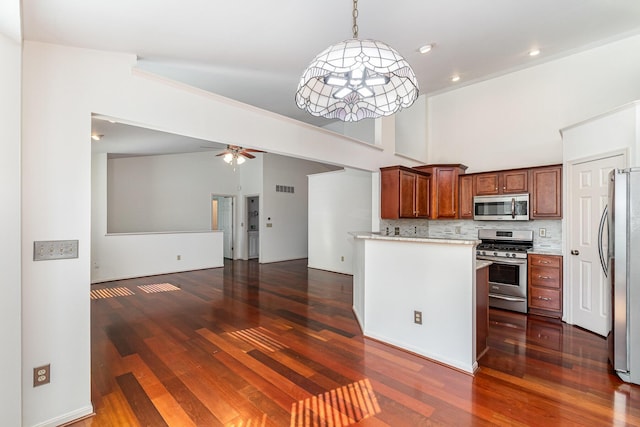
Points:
[[568, 294], [246, 221]]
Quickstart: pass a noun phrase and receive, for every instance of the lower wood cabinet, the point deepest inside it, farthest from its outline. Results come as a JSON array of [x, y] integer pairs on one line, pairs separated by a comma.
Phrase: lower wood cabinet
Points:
[[545, 285]]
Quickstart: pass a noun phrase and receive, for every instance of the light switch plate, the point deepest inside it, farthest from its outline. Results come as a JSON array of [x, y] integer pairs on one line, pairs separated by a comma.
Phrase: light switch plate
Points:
[[55, 249]]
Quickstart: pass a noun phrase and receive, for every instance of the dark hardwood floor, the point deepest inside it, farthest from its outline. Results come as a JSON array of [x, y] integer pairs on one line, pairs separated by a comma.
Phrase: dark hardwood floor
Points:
[[252, 345]]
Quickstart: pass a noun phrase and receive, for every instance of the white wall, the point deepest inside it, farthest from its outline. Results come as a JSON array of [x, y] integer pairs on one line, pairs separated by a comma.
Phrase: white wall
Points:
[[339, 203], [166, 193], [514, 120], [287, 238], [59, 95], [10, 368], [363, 130], [120, 256], [435, 278], [411, 137], [614, 130]]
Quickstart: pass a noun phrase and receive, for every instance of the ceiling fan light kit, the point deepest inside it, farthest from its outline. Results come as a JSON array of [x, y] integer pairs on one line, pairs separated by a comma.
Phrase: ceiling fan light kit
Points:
[[236, 155], [357, 79]]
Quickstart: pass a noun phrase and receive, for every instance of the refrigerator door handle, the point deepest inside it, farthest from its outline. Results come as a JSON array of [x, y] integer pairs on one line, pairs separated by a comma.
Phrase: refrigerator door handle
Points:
[[603, 261]]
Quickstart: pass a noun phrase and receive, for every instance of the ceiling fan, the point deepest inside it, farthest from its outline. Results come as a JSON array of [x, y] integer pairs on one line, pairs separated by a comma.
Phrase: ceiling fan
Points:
[[238, 154]]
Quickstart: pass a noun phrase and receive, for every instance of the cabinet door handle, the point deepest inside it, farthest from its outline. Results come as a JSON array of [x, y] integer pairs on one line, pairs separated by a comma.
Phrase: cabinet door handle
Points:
[[544, 298]]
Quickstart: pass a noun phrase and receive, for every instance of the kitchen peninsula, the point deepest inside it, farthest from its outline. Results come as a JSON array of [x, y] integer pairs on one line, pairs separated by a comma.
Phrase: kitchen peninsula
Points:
[[419, 294]]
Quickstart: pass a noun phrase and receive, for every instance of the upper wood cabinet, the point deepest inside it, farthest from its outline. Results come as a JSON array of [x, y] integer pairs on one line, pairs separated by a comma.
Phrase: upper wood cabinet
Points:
[[466, 196], [504, 182], [444, 189], [546, 192], [404, 193]]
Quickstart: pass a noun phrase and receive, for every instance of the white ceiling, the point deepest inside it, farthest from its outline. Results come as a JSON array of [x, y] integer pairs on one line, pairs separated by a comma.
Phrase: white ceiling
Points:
[[255, 50]]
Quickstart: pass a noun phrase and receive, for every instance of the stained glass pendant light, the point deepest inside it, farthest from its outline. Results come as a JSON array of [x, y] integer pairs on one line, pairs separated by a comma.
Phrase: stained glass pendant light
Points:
[[357, 79]]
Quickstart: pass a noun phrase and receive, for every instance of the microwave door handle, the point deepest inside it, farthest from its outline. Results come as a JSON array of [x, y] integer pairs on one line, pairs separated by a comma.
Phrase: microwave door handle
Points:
[[513, 207], [603, 262]]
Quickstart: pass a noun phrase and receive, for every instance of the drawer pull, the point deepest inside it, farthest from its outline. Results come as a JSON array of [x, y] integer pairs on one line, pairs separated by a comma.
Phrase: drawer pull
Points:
[[544, 277], [544, 298], [543, 262]]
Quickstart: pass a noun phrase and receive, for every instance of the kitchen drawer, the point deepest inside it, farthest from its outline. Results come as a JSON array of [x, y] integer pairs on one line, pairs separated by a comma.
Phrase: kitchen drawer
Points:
[[545, 260], [544, 276], [546, 299]]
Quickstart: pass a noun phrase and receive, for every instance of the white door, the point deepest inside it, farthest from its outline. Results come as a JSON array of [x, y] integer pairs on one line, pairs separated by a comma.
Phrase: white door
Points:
[[254, 244], [590, 302], [225, 221]]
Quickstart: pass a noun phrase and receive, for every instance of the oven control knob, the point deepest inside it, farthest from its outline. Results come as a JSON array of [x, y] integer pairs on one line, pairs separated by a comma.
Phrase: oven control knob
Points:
[[495, 254]]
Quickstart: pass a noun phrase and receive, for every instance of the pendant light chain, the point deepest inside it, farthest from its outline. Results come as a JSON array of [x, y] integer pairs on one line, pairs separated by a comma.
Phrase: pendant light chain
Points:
[[355, 17]]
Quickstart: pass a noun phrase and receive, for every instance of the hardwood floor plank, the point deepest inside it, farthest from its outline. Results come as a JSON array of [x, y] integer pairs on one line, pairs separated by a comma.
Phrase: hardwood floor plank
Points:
[[275, 345], [143, 408]]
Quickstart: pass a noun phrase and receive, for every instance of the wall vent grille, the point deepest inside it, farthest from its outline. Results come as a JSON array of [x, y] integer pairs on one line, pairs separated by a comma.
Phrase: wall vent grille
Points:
[[284, 189]]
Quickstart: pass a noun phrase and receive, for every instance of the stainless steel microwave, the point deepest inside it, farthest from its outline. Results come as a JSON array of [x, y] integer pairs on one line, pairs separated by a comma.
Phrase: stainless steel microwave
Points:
[[504, 207]]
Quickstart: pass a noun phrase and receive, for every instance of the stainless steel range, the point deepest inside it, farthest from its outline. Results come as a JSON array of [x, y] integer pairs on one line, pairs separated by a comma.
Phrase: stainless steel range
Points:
[[508, 273]]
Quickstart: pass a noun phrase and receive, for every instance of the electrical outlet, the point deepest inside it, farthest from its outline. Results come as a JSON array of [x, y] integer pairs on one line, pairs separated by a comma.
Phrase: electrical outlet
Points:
[[396, 231], [417, 317], [542, 232], [41, 375], [178, 257], [342, 258]]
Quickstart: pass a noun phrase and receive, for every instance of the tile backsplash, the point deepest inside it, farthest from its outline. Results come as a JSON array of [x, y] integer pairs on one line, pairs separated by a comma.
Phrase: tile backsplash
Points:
[[466, 229]]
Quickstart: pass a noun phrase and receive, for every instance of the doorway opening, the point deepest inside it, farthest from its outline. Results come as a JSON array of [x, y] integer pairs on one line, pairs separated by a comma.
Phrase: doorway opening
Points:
[[253, 227], [222, 220]]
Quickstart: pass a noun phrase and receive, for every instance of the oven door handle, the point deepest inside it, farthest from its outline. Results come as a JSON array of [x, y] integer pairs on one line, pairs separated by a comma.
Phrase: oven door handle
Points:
[[504, 260], [513, 207], [506, 298]]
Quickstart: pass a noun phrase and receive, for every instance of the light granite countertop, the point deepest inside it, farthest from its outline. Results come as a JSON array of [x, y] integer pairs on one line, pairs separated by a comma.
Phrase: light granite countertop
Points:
[[415, 239], [545, 251]]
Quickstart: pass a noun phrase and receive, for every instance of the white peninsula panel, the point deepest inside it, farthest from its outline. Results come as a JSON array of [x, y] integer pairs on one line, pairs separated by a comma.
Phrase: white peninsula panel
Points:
[[395, 276]]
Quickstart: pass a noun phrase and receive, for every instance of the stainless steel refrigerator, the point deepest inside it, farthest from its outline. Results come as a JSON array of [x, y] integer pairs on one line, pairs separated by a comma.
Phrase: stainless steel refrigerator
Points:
[[624, 272]]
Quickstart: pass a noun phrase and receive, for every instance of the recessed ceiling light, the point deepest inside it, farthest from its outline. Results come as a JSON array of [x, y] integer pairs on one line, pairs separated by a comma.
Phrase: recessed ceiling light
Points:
[[455, 78], [426, 48], [534, 52]]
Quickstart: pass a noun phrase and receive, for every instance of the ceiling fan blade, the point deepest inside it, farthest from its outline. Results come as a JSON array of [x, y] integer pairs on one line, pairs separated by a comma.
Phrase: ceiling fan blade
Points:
[[251, 150], [247, 155]]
